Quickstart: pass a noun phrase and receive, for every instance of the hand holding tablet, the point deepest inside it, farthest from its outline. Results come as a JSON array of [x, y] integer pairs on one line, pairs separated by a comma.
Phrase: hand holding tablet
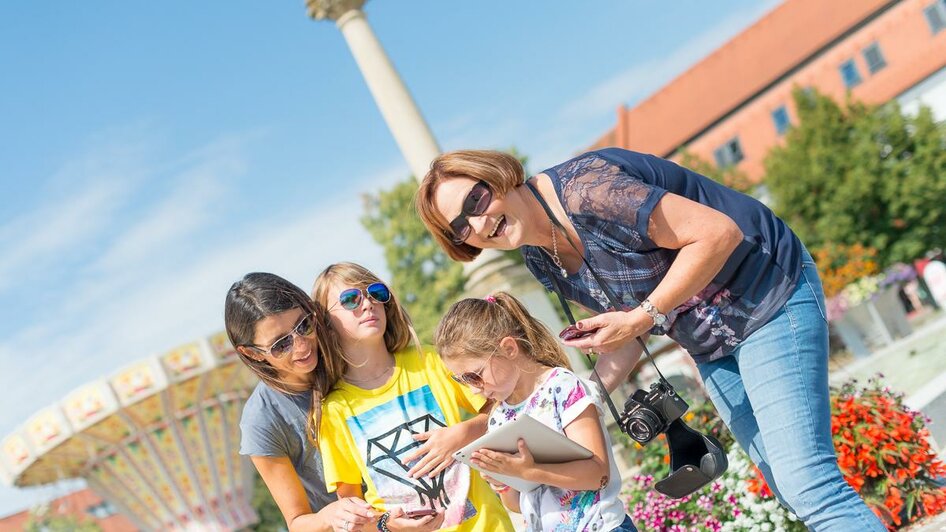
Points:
[[547, 446]]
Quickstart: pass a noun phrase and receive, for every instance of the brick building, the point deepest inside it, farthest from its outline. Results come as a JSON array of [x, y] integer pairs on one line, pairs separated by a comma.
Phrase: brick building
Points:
[[735, 104]]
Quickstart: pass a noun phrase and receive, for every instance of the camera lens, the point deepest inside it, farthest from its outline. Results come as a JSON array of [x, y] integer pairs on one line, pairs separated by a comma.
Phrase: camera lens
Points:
[[642, 425]]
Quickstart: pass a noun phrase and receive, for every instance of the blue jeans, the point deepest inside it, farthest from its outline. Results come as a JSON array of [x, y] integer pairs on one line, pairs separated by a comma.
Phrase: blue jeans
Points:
[[772, 393]]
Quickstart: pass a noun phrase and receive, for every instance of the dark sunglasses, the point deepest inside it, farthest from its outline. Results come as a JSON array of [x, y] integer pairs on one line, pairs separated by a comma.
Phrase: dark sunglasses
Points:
[[475, 204], [351, 298], [473, 379], [284, 344]]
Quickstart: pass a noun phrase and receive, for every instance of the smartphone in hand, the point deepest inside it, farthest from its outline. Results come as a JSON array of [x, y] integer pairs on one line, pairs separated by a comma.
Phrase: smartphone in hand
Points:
[[573, 333], [422, 512]]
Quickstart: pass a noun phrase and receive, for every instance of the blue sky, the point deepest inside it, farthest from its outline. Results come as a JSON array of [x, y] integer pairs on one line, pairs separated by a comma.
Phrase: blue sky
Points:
[[151, 153]]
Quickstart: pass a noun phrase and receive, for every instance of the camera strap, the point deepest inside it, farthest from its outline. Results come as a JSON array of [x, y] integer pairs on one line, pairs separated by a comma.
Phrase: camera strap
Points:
[[604, 288]]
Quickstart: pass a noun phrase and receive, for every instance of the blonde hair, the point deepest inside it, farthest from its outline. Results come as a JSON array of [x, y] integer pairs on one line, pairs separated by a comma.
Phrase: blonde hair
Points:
[[259, 295], [500, 171], [472, 328], [398, 330]]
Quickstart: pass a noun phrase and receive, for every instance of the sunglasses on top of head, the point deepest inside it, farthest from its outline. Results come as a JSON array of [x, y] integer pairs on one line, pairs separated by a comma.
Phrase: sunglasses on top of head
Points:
[[351, 298], [284, 344], [475, 204]]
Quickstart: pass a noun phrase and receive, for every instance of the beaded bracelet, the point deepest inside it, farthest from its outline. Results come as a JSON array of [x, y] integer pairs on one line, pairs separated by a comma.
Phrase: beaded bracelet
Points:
[[383, 522]]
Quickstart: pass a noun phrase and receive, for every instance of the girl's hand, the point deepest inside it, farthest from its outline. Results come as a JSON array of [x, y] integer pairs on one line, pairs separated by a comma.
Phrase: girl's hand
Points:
[[515, 464], [398, 522], [350, 513], [614, 329], [497, 486], [436, 453]]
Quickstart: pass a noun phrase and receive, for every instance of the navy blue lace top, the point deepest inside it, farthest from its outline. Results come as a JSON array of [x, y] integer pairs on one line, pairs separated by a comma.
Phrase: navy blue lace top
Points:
[[609, 195]]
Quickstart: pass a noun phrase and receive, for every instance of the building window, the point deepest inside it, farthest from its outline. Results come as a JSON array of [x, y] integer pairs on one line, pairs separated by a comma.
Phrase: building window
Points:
[[935, 14], [850, 75], [874, 58], [728, 154], [101, 510], [780, 117]]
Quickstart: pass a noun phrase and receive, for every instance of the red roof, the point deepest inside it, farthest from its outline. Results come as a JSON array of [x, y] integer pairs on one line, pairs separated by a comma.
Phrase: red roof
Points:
[[75, 504], [744, 66]]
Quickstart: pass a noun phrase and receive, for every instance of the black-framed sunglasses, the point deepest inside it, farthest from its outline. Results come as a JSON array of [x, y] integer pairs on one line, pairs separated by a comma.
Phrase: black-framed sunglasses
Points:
[[351, 298], [473, 379], [475, 204], [284, 344]]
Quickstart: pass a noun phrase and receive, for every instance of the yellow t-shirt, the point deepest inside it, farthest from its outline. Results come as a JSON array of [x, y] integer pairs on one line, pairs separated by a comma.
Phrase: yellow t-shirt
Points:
[[365, 432]]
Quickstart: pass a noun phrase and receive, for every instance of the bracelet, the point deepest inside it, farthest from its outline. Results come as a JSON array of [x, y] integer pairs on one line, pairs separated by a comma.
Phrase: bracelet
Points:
[[383, 522], [501, 490]]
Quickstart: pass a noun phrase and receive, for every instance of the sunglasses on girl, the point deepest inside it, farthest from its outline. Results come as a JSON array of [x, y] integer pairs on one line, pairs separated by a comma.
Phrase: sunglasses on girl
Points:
[[284, 344], [473, 379], [475, 204], [351, 298]]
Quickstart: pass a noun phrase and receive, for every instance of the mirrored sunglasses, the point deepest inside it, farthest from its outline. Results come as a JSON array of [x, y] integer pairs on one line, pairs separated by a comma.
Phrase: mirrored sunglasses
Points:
[[284, 345], [475, 204], [351, 298]]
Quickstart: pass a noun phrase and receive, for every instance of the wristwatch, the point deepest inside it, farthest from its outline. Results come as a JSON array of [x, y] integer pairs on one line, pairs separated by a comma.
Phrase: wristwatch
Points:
[[651, 310]]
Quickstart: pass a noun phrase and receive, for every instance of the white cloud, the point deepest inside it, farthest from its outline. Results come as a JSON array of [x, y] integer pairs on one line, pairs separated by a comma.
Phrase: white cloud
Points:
[[185, 209], [160, 280], [69, 222], [132, 308], [642, 79]]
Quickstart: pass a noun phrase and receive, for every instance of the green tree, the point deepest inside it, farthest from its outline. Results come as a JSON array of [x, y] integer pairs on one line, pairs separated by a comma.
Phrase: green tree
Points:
[[731, 177], [861, 174], [424, 278], [270, 518], [49, 522]]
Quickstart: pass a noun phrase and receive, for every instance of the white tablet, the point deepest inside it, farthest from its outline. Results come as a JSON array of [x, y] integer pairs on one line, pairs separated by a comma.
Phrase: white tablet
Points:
[[546, 445]]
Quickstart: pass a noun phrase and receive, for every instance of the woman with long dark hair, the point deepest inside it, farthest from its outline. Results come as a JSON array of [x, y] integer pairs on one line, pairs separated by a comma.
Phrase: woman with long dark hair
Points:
[[279, 334]]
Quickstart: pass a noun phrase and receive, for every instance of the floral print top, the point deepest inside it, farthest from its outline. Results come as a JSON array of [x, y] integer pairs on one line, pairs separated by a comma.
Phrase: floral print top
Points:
[[558, 401], [609, 196]]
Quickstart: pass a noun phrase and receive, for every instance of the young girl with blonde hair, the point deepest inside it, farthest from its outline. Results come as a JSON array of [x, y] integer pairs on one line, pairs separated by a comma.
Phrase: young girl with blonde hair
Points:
[[394, 418], [498, 349]]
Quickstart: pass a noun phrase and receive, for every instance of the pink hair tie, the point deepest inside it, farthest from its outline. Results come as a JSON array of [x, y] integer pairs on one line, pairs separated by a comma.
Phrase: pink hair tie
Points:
[[490, 299]]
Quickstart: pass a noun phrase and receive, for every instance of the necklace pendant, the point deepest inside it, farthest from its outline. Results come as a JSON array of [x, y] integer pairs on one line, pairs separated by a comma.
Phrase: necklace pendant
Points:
[[564, 273]]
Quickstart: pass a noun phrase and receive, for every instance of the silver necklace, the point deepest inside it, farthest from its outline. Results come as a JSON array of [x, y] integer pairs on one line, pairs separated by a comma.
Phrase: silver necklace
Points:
[[369, 379], [555, 258]]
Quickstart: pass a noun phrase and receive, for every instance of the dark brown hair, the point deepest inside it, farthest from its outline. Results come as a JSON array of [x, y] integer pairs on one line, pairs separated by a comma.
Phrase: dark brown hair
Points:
[[260, 295]]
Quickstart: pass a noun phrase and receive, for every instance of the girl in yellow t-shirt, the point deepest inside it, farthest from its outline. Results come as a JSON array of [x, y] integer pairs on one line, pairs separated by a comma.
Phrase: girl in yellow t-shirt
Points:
[[394, 419]]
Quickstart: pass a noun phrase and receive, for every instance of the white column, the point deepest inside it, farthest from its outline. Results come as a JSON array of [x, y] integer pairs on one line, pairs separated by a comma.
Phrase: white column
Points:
[[398, 108]]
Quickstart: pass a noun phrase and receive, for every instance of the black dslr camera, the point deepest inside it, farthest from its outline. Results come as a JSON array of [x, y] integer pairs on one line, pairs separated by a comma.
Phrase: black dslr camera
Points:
[[647, 414], [696, 459]]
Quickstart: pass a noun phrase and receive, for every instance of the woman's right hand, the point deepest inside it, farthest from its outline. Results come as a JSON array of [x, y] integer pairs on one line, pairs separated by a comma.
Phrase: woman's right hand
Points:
[[397, 522], [350, 513]]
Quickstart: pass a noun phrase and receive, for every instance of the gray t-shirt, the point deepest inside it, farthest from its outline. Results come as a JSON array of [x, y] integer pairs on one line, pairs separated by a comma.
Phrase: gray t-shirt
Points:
[[273, 424]]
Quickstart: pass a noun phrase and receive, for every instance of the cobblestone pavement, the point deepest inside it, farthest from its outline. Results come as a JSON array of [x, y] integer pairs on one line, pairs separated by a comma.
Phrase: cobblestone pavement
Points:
[[934, 524]]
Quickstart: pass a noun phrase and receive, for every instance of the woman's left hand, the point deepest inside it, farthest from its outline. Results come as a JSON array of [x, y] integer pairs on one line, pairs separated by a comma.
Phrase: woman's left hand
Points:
[[436, 453], [514, 464], [612, 330]]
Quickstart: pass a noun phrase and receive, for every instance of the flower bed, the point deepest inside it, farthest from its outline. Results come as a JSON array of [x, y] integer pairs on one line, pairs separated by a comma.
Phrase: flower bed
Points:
[[883, 452]]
